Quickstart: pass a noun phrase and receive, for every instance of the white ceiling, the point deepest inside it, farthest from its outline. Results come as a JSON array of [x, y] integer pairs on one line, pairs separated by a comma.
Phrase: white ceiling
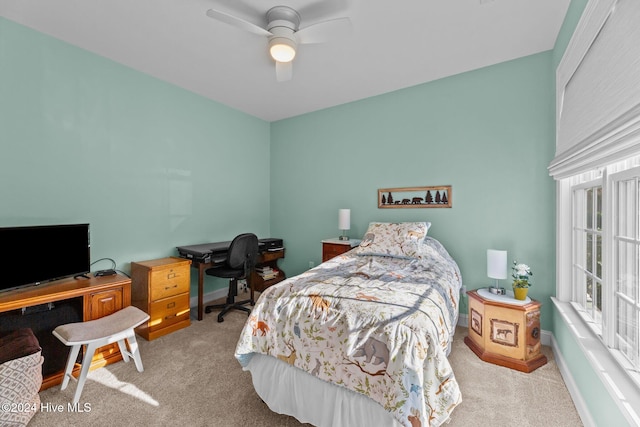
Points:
[[394, 44]]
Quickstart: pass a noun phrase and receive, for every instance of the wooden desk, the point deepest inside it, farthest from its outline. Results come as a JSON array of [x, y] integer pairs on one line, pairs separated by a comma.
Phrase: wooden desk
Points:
[[269, 258], [100, 296]]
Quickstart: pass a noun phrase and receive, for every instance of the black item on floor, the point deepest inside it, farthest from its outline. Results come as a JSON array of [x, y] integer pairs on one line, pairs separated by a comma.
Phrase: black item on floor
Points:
[[42, 320]]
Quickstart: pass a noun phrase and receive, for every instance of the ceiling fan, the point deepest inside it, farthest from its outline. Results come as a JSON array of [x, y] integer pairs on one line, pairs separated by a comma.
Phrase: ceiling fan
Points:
[[284, 34]]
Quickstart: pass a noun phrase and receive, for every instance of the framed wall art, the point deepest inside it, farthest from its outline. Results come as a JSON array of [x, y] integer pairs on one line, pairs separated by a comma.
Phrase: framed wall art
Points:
[[438, 196]]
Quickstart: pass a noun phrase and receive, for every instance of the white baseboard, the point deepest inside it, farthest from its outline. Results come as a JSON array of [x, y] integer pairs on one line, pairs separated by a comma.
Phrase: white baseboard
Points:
[[546, 338], [463, 320]]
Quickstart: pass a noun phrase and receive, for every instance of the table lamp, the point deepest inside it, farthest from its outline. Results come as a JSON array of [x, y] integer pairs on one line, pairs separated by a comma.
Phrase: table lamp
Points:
[[344, 222], [496, 269]]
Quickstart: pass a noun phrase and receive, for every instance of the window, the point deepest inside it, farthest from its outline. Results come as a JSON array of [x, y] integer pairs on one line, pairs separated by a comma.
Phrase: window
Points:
[[605, 257], [587, 253], [626, 263]]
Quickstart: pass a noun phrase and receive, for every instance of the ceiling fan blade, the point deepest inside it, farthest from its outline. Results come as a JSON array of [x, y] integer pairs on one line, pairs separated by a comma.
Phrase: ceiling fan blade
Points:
[[237, 22], [284, 71], [320, 9], [325, 31]]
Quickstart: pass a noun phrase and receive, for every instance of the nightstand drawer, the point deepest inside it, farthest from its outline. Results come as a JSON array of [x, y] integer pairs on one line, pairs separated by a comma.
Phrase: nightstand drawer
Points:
[[169, 282], [330, 250], [168, 311]]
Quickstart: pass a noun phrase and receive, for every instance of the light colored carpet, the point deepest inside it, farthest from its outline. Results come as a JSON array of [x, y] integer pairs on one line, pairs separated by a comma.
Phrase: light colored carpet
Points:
[[191, 378]]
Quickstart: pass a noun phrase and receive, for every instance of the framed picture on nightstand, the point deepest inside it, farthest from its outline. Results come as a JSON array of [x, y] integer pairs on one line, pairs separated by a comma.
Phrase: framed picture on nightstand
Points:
[[503, 332], [476, 322]]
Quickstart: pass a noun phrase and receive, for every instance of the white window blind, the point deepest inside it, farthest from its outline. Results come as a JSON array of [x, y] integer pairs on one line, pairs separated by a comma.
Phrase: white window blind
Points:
[[598, 89]]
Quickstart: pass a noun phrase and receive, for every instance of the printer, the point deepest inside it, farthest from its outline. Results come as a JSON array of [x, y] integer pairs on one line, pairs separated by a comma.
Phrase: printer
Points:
[[270, 244]]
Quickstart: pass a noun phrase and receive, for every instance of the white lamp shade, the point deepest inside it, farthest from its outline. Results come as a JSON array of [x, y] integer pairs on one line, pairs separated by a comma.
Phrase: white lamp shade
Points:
[[344, 219], [496, 264]]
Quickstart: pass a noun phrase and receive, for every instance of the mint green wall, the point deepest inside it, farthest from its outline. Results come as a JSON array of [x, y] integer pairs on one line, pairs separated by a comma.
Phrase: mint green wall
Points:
[[148, 165], [488, 133], [574, 12]]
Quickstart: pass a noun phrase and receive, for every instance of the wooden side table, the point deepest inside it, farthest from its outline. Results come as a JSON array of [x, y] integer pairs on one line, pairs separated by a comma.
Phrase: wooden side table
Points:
[[334, 247], [505, 332]]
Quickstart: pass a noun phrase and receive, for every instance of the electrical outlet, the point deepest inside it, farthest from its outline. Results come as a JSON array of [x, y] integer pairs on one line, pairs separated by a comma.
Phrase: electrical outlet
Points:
[[311, 264]]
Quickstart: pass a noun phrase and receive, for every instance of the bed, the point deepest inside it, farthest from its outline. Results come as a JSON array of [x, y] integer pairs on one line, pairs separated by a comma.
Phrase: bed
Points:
[[361, 339]]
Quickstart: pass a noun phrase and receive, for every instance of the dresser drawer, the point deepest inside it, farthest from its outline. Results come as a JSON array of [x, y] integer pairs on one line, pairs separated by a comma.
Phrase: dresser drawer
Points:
[[168, 311], [169, 282]]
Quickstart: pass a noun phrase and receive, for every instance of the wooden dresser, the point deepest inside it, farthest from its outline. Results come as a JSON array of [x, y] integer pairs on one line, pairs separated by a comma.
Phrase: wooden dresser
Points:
[[160, 287], [505, 334]]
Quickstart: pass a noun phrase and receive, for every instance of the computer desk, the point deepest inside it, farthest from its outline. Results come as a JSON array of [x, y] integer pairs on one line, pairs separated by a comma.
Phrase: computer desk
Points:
[[216, 253]]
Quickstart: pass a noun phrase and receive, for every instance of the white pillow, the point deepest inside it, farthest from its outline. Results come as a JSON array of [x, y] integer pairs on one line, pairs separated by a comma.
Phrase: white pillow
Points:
[[394, 239]]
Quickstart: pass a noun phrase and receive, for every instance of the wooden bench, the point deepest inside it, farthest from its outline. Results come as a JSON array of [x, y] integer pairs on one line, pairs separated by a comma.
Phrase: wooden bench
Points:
[[116, 327]]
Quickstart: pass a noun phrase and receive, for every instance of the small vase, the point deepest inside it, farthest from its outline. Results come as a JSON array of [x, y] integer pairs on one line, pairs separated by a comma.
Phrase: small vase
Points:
[[520, 293]]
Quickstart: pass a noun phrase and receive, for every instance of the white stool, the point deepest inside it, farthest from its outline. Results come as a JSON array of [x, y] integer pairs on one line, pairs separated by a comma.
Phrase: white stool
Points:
[[115, 327]]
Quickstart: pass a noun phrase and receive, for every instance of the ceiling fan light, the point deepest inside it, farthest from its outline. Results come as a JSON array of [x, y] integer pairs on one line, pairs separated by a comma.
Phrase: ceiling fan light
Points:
[[282, 49]]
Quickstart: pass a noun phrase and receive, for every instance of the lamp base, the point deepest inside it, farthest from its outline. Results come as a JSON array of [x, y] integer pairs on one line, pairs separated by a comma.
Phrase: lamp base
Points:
[[343, 238]]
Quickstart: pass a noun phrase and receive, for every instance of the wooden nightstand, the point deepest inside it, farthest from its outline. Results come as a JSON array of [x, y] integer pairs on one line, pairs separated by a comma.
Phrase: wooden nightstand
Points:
[[334, 247], [160, 287], [504, 333]]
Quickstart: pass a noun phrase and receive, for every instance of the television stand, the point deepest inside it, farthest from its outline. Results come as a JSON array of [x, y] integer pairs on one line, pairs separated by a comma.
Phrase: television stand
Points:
[[100, 296]]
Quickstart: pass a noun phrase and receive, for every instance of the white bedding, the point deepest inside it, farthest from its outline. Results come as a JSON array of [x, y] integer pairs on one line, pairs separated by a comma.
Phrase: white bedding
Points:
[[311, 400]]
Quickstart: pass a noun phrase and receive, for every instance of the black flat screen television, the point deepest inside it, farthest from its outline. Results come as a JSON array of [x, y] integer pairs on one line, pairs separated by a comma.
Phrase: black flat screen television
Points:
[[43, 253]]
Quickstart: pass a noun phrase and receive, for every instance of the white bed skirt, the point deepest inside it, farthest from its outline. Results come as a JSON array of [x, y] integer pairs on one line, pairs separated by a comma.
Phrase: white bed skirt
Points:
[[291, 391]]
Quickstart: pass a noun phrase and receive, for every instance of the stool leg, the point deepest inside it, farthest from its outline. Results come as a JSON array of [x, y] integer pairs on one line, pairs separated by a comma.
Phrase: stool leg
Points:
[[135, 351], [86, 363], [73, 355], [123, 350]]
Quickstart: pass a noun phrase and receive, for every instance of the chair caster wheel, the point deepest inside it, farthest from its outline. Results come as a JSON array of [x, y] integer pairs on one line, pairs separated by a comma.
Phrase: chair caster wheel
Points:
[[207, 310], [220, 319]]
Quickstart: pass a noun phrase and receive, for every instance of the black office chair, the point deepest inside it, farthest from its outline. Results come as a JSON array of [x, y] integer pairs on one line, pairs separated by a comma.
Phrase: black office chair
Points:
[[241, 258]]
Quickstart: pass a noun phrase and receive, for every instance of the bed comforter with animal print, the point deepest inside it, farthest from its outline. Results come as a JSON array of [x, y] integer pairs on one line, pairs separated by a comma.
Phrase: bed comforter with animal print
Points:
[[377, 325]]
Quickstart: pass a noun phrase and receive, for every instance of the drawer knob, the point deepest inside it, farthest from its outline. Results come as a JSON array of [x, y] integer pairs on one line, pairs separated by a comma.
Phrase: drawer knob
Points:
[[535, 333], [171, 305], [166, 288]]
